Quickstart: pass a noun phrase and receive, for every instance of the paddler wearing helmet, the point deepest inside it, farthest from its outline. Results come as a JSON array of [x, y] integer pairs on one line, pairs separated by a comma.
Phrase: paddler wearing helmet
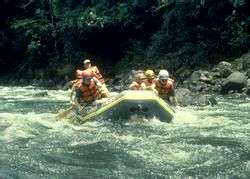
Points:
[[149, 82], [139, 78], [86, 89], [165, 87], [96, 73]]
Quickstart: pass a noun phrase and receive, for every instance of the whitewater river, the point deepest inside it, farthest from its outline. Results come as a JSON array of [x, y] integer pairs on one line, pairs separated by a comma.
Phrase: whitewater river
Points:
[[202, 142]]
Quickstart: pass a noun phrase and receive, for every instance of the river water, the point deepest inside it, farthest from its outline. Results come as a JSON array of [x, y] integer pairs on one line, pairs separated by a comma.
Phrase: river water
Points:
[[202, 142]]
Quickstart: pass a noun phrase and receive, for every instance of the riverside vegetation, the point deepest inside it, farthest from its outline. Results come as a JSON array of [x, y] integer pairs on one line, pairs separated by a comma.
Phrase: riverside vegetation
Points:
[[46, 40]]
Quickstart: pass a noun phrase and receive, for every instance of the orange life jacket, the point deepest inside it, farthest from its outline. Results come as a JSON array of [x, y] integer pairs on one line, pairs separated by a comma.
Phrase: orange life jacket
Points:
[[164, 89], [76, 83], [96, 73], [89, 92]]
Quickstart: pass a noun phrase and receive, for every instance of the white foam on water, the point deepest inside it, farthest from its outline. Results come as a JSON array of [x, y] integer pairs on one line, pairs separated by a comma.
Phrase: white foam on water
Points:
[[194, 140], [20, 125], [208, 117], [31, 92]]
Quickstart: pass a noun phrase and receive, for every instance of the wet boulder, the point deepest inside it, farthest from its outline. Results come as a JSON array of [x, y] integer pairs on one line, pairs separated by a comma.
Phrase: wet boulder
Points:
[[201, 75], [245, 60], [199, 81], [41, 94], [248, 73], [235, 95], [243, 63], [182, 96], [247, 91], [223, 70], [234, 82], [216, 87], [197, 86], [200, 87], [197, 99], [246, 64], [183, 73], [185, 98], [122, 81]]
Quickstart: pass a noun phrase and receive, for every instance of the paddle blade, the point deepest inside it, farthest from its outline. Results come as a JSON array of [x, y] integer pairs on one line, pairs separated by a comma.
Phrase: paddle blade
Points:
[[64, 113]]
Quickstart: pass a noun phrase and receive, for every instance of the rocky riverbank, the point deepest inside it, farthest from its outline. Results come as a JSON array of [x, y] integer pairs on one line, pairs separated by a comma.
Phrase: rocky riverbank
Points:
[[230, 78], [199, 87]]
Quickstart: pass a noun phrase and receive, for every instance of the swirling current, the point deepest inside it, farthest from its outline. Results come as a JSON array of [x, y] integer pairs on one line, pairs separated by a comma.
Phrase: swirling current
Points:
[[201, 142]]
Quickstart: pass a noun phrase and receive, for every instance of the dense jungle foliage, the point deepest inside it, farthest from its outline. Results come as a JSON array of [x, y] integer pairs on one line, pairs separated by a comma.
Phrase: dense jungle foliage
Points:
[[49, 38]]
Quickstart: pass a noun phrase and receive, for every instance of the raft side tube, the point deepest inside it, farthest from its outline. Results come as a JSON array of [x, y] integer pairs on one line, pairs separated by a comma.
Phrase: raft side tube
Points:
[[142, 103]]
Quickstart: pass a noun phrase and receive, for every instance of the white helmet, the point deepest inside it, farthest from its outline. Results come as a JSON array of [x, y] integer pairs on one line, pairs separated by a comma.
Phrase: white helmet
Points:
[[163, 74]]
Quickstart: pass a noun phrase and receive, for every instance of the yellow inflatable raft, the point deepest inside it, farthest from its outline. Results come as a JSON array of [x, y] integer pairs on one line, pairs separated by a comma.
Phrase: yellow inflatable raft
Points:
[[141, 103]]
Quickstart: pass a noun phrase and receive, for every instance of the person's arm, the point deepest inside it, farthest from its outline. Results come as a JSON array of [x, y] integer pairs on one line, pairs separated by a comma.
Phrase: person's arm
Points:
[[144, 86], [154, 90], [97, 82], [174, 101], [72, 95], [73, 98], [173, 98], [132, 86], [151, 87], [102, 89]]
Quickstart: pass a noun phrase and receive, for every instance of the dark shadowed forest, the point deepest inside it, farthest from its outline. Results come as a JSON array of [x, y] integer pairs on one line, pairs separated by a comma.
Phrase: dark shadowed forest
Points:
[[41, 39]]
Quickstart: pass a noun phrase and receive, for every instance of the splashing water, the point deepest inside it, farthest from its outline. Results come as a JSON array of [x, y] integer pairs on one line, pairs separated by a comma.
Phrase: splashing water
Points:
[[202, 142]]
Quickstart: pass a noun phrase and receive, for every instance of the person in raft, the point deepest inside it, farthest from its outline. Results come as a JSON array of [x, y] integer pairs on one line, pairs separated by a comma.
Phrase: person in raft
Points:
[[165, 87], [138, 80], [85, 89], [95, 73], [149, 82]]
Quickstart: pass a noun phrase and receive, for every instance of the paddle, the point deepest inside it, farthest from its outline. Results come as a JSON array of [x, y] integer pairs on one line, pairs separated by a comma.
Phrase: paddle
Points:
[[64, 113]]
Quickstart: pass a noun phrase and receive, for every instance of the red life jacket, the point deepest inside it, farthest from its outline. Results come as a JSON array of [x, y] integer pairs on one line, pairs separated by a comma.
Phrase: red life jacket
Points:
[[96, 73], [164, 89], [89, 92]]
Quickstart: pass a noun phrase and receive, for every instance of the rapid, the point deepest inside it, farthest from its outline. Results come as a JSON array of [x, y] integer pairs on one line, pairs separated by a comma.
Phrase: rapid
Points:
[[201, 142]]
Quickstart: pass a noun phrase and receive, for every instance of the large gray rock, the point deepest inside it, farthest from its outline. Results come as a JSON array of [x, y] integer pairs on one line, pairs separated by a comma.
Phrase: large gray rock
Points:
[[243, 63], [201, 75], [185, 97], [248, 73], [197, 86], [235, 82], [182, 96], [246, 64], [223, 69], [216, 87], [245, 60], [183, 73], [200, 87], [40, 94], [199, 81], [122, 81], [248, 87]]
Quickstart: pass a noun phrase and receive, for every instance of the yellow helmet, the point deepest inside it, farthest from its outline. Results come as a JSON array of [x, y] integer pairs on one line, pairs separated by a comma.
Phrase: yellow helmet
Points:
[[149, 73]]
